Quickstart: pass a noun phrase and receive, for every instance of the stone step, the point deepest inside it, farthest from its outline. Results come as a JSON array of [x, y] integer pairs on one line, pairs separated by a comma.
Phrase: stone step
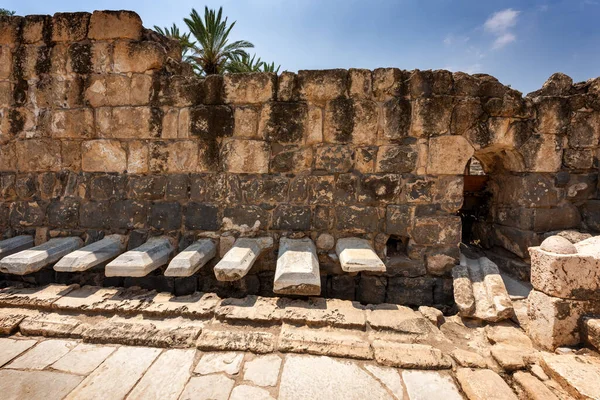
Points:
[[479, 290], [93, 254], [15, 245], [236, 263], [189, 261], [357, 255], [142, 260], [38, 257], [297, 268]]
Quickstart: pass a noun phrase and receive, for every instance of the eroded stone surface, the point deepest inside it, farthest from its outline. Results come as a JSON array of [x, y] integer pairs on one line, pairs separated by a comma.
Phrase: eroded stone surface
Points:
[[390, 377], [36, 258], [211, 363], [488, 299], [43, 354], [10, 348], [92, 255], [357, 255], [210, 387], [414, 356], [532, 387], [83, 359], [10, 323], [142, 260], [194, 257], [33, 385], [263, 370], [297, 268]]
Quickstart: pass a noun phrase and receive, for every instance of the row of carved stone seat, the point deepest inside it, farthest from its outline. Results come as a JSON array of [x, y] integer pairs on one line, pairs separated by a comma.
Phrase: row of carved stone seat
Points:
[[297, 270]]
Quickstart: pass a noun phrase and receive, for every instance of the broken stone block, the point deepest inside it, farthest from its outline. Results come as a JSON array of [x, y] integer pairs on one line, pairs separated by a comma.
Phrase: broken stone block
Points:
[[194, 257], [236, 263], [297, 268], [36, 258], [554, 322], [15, 245], [142, 260], [357, 255], [92, 255], [479, 290], [567, 275], [578, 375]]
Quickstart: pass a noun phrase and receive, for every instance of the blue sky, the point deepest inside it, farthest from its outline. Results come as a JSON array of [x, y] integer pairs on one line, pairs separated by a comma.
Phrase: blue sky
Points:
[[520, 42]]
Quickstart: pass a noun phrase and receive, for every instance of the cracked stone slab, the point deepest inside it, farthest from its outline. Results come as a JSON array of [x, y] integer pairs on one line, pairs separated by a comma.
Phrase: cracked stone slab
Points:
[[228, 362], [142, 260], [194, 257], [484, 384], [93, 254], [390, 377], [263, 370], [297, 269], [15, 245], [34, 385], [320, 377], [11, 348], [34, 259], [83, 359], [238, 261], [209, 387], [425, 385], [357, 255], [479, 290], [38, 297], [116, 376]]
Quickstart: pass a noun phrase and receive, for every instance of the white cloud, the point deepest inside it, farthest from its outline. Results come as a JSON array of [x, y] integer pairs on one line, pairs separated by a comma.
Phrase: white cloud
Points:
[[501, 21], [451, 39], [503, 40], [500, 24]]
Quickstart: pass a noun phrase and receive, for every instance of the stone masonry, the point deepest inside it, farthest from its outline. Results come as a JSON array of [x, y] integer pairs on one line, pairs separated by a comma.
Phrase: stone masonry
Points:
[[104, 131]]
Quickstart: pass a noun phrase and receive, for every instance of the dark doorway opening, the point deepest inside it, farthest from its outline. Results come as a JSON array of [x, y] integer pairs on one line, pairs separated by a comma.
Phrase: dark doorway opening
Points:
[[476, 205]]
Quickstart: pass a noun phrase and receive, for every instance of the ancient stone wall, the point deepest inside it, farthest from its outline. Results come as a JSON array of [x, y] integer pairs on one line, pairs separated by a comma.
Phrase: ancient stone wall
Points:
[[103, 129]]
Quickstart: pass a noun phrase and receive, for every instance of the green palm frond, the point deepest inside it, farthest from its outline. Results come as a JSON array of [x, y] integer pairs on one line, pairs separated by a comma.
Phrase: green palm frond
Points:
[[270, 67], [212, 50], [173, 32]]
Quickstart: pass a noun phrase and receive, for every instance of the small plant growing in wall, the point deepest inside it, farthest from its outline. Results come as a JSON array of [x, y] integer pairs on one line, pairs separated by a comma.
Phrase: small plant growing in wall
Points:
[[5, 12]]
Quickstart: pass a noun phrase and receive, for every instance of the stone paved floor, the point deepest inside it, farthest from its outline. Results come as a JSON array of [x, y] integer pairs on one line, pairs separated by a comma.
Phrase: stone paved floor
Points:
[[35, 368]]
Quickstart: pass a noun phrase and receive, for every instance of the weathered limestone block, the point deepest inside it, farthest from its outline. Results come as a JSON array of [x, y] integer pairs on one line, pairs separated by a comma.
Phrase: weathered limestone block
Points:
[[448, 155], [396, 158], [36, 258], [9, 29], [142, 260], [543, 153], [15, 245], [389, 83], [35, 155], [442, 230], [194, 257], [322, 85], [70, 27], [76, 124], [325, 341], [138, 56], [5, 62], [207, 122], [118, 90], [174, 157], [287, 87], [297, 268], [431, 116], [249, 88], [578, 375], [334, 158], [479, 290], [236, 263], [283, 122], [555, 322], [245, 156], [411, 356], [361, 83], [584, 130], [357, 255], [103, 155], [350, 120], [568, 276], [578, 158], [108, 25], [127, 123], [423, 384], [531, 387], [246, 123], [92, 255], [8, 158]]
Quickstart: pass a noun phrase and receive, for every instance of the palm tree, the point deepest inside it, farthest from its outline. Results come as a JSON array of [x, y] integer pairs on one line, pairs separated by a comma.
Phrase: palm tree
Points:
[[5, 12], [270, 67], [174, 33], [244, 63], [212, 51]]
